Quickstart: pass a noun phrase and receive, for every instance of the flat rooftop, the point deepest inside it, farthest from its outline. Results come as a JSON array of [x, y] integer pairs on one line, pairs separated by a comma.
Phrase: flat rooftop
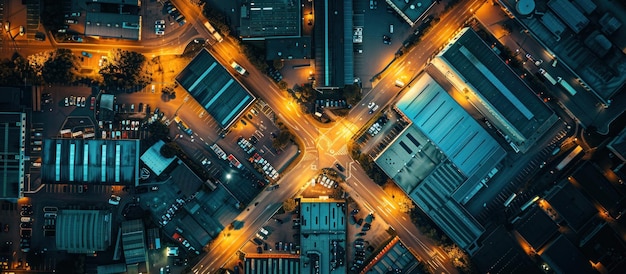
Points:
[[90, 161], [12, 140], [288, 48], [324, 223], [260, 264], [410, 10], [440, 159], [536, 228], [154, 160], [263, 19], [83, 231], [601, 67], [124, 26], [500, 253], [592, 181], [564, 257], [573, 206], [322, 216], [215, 88], [334, 62], [447, 125], [497, 90], [134, 241], [393, 256]]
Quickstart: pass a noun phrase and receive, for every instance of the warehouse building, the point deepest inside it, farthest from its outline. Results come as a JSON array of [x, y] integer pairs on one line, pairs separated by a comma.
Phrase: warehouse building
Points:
[[90, 161], [442, 159], [512, 107], [215, 89]]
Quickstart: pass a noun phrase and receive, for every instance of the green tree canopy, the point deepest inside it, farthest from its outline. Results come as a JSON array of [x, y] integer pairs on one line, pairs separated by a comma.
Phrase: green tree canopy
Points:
[[289, 205], [60, 67], [168, 150], [125, 70]]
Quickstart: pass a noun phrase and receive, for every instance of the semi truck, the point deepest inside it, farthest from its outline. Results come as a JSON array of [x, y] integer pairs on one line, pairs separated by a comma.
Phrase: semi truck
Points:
[[566, 86], [548, 76]]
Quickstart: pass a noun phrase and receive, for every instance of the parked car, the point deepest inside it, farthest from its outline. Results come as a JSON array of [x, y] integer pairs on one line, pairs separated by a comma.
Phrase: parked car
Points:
[[114, 200]]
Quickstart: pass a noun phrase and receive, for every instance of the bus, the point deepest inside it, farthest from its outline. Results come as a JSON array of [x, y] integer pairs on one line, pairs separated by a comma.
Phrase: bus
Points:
[[184, 127], [213, 32]]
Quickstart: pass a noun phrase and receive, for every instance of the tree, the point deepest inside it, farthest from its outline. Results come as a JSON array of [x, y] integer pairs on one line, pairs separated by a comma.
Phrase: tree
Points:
[[289, 205], [283, 138], [60, 67], [168, 150], [8, 74], [125, 70], [352, 94], [282, 85], [279, 64], [158, 131]]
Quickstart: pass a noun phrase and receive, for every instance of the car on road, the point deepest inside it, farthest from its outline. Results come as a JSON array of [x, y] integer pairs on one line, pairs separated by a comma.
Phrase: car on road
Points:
[[238, 68], [71, 21], [22, 31], [340, 167], [67, 101], [373, 109], [536, 61], [159, 32], [86, 54], [159, 22], [77, 38], [386, 40], [92, 105]]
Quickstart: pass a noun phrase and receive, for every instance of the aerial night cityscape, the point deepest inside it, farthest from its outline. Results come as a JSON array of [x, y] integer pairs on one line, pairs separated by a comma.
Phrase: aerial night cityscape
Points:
[[312, 136]]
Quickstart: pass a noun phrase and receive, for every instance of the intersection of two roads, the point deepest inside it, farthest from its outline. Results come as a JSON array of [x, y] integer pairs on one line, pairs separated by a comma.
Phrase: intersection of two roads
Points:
[[320, 146], [324, 146]]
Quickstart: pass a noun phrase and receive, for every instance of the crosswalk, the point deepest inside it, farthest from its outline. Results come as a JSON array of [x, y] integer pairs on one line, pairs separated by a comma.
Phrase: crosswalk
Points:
[[342, 151]]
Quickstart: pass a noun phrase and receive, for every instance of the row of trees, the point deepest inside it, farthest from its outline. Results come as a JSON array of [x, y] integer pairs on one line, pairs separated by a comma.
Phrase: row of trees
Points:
[[125, 70]]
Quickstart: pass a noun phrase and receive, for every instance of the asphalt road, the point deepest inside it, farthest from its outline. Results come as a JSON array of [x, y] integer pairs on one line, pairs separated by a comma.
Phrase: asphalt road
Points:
[[321, 147]]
